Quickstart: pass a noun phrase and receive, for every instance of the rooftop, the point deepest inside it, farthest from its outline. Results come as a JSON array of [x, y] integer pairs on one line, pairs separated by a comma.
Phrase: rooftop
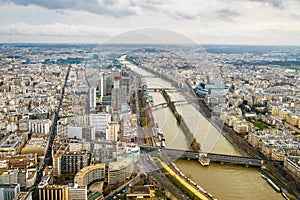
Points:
[[85, 170]]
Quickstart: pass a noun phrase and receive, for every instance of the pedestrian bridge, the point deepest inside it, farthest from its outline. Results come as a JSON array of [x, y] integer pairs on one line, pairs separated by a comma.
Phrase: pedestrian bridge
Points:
[[221, 158], [177, 102]]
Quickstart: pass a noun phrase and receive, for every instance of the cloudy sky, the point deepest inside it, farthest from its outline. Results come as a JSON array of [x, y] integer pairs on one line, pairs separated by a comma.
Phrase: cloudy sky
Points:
[[262, 22]]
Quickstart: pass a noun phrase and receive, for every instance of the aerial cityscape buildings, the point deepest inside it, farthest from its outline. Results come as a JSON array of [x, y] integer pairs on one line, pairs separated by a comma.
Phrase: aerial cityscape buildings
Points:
[[74, 126]]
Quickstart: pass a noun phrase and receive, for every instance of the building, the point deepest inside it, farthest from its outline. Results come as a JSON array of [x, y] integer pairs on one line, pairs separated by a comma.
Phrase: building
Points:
[[103, 151], [24, 196], [39, 126], [292, 119], [113, 130], [76, 192], [81, 132], [100, 121], [292, 166], [72, 162], [53, 192], [9, 176], [128, 150], [62, 128], [56, 165], [9, 191], [37, 144], [140, 192], [89, 174], [241, 126], [119, 171], [25, 177], [80, 120], [66, 161], [101, 86], [116, 95], [21, 161], [283, 113], [92, 98], [12, 145], [63, 192]]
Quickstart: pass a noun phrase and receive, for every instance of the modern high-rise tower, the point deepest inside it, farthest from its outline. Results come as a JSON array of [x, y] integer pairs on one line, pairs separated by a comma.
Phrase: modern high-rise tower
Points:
[[92, 97]]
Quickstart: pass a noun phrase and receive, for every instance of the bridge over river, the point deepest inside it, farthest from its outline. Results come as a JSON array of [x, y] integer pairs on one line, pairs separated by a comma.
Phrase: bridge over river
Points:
[[161, 105], [221, 158], [160, 89]]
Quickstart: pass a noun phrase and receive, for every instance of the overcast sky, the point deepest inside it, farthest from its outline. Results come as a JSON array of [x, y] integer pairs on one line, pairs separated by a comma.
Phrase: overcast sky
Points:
[[262, 22]]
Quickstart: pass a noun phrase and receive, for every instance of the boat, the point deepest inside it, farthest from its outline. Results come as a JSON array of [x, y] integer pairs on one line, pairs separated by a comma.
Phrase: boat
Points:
[[285, 196], [271, 183], [203, 159], [264, 177]]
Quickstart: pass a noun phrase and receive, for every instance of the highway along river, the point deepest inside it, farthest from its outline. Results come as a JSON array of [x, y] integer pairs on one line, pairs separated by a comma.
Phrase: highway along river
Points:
[[225, 182]]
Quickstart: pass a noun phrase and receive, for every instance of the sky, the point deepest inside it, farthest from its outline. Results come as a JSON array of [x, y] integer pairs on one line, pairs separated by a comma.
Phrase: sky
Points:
[[248, 22]]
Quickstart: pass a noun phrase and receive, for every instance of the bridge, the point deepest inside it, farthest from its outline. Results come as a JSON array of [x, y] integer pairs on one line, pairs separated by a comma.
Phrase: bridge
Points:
[[221, 158], [160, 89], [180, 102]]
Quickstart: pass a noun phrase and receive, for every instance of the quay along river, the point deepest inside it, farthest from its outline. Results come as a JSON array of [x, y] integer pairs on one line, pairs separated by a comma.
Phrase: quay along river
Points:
[[224, 182]]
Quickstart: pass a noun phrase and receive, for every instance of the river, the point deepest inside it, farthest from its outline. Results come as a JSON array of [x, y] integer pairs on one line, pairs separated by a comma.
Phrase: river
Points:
[[225, 182]]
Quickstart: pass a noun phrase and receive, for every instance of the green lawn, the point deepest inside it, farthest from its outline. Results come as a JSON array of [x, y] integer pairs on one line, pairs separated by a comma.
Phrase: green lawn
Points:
[[94, 196], [259, 125]]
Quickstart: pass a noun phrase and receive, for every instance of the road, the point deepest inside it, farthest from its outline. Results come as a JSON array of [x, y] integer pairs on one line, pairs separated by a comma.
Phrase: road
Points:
[[150, 167], [132, 182], [137, 83], [48, 157]]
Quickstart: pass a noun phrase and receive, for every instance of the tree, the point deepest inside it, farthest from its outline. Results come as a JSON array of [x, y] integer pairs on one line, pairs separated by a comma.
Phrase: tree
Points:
[[292, 197]]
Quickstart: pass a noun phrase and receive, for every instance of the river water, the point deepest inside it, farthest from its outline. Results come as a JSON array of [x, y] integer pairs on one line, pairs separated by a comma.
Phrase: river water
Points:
[[225, 182]]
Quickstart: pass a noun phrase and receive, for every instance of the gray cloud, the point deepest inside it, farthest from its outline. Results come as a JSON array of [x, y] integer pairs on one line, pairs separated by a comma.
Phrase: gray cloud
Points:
[[184, 15], [54, 30], [149, 5], [274, 3], [105, 7], [227, 14]]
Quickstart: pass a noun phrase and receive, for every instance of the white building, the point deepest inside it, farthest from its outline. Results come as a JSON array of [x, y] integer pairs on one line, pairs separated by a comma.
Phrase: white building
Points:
[[92, 98], [100, 121], [39, 126]]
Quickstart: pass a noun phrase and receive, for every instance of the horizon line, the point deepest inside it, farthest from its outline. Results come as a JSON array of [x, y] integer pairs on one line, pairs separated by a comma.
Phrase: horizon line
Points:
[[171, 44]]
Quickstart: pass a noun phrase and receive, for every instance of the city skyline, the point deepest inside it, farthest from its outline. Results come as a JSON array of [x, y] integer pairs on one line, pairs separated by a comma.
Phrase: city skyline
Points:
[[251, 22]]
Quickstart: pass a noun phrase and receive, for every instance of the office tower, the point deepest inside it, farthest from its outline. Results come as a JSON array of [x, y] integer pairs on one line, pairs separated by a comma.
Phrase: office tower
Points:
[[92, 98], [101, 87], [116, 95]]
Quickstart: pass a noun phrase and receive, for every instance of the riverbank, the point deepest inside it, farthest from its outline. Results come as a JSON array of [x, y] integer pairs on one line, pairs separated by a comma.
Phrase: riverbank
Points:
[[273, 169], [224, 181], [181, 183]]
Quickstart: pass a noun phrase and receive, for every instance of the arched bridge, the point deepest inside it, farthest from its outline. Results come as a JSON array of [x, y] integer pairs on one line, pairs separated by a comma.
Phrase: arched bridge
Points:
[[166, 104]]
